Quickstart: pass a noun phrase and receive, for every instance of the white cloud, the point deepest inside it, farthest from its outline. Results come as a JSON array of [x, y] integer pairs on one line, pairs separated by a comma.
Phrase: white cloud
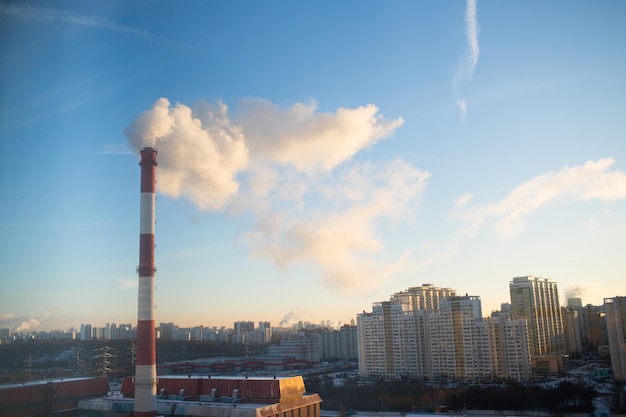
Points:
[[591, 181], [462, 201], [6, 317], [344, 243], [462, 104]]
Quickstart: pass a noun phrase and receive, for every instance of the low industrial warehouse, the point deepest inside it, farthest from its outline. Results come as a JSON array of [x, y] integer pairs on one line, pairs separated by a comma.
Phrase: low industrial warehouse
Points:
[[214, 396]]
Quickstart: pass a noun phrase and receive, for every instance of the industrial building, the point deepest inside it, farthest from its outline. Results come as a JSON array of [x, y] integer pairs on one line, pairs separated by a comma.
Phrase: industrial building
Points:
[[58, 397], [214, 396]]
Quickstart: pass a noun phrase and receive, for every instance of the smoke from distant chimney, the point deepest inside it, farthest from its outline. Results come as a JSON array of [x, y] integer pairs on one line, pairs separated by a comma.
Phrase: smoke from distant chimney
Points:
[[290, 318], [574, 291]]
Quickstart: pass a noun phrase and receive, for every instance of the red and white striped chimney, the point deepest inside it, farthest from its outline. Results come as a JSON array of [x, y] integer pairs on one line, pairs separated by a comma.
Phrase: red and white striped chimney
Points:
[[145, 371]]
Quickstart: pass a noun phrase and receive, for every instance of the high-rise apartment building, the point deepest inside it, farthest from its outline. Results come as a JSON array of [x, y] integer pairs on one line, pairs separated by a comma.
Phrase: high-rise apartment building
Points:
[[424, 297], [85, 332], [592, 327], [537, 300], [456, 339], [571, 329], [584, 326], [615, 309], [393, 338], [338, 344], [445, 337], [509, 352], [243, 327], [575, 302], [376, 342]]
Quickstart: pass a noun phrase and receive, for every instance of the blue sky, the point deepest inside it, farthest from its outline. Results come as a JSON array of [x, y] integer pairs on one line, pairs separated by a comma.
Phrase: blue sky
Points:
[[314, 157]]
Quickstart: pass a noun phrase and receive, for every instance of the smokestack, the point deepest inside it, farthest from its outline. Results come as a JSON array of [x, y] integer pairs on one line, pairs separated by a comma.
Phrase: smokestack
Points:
[[145, 370]]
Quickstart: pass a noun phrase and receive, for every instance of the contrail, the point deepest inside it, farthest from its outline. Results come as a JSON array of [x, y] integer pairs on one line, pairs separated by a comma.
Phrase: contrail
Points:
[[467, 64]]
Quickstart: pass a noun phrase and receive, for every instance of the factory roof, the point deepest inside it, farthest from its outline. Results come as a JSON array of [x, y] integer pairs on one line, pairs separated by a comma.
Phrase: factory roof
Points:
[[226, 389]]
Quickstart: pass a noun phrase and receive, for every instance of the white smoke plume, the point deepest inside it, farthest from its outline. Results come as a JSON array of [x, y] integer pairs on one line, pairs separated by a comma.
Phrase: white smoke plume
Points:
[[290, 318], [31, 323], [307, 140], [200, 151], [467, 64], [591, 181], [291, 168], [28, 325]]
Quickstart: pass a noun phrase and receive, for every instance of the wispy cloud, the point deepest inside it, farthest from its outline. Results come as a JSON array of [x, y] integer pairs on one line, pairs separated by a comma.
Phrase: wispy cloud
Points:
[[590, 181], [344, 243], [467, 64], [60, 99], [4, 317], [48, 14], [462, 105], [462, 201]]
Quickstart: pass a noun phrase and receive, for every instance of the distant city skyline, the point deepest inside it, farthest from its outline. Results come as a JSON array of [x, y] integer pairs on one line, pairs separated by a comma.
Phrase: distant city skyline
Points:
[[313, 158], [129, 329], [287, 322]]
